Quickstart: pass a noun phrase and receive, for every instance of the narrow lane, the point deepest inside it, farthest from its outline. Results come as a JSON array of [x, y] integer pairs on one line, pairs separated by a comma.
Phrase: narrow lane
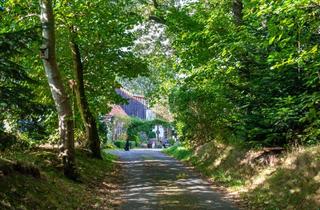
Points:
[[155, 181]]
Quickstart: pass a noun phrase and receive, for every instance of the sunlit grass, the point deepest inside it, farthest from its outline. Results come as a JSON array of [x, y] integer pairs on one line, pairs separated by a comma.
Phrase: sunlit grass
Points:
[[292, 183]]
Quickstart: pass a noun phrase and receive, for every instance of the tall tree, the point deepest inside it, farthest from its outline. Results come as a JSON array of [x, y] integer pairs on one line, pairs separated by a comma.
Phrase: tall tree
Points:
[[86, 115], [99, 54], [48, 55]]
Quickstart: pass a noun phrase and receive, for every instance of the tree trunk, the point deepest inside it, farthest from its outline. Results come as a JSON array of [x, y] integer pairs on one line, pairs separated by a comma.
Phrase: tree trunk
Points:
[[237, 8], [48, 55], [86, 115]]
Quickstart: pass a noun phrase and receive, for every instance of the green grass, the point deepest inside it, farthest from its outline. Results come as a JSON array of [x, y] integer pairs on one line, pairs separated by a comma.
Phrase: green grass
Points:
[[293, 183], [202, 164], [179, 152], [53, 190]]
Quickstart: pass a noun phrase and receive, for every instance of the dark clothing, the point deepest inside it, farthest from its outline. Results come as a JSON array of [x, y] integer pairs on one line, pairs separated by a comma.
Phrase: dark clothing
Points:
[[127, 146]]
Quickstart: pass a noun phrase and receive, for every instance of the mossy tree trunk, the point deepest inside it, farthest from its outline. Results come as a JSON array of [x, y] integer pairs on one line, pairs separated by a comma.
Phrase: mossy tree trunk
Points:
[[86, 115]]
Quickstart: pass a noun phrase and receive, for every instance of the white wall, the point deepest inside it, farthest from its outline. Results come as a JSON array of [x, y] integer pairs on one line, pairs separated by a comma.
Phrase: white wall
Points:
[[150, 115], [161, 131]]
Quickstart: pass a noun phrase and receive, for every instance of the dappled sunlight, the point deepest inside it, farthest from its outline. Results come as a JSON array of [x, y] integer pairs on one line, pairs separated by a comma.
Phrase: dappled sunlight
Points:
[[296, 182], [154, 179], [262, 176], [55, 89], [317, 178], [226, 153], [258, 175]]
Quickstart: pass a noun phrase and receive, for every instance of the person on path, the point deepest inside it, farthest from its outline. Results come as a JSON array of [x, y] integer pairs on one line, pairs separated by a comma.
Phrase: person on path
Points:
[[127, 146]]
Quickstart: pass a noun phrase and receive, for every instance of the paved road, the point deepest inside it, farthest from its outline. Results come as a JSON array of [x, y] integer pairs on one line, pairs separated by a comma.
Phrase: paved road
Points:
[[155, 181]]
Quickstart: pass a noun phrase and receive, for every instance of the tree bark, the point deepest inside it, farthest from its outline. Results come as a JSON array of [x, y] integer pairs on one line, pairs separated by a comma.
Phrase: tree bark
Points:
[[48, 55], [86, 115], [237, 8]]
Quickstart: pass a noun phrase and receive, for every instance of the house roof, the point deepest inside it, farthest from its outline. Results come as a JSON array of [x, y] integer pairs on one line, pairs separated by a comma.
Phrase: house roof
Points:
[[117, 110], [137, 106]]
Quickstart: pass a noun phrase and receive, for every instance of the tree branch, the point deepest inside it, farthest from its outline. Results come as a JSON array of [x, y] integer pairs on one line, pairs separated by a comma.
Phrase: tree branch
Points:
[[27, 16], [160, 20]]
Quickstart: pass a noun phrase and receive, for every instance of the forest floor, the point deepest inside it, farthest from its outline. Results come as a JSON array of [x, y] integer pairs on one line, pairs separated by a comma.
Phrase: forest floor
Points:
[[97, 188], [153, 180]]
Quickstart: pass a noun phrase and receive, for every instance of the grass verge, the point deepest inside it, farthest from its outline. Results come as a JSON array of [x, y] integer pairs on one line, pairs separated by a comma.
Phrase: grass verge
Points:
[[287, 181], [97, 188]]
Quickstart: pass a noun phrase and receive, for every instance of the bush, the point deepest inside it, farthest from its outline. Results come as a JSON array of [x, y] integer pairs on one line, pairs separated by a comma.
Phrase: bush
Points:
[[6, 141], [152, 135], [9, 141], [138, 126], [135, 141], [108, 146], [171, 141], [133, 144], [120, 144]]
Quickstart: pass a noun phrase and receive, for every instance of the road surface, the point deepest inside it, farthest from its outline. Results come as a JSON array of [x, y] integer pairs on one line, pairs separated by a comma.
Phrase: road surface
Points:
[[153, 180]]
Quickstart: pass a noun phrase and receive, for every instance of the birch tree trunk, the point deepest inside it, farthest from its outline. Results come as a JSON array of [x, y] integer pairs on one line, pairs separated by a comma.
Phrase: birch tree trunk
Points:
[[86, 115], [48, 55]]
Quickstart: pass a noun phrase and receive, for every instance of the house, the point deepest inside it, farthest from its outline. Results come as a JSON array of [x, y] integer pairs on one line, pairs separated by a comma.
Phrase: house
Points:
[[137, 106]]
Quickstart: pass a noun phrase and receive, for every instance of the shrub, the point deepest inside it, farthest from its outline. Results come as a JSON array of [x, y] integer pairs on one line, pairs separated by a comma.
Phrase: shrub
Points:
[[9, 141], [138, 126], [120, 143], [108, 146], [136, 140], [171, 141], [133, 144]]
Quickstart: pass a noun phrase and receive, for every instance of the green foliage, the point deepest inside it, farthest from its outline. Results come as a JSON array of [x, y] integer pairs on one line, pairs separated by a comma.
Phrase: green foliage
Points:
[[120, 143], [105, 45], [137, 131], [138, 126], [103, 131], [19, 105], [257, 83], [25, 99], [133, 144], [181, 153], [15, 94], [7, 140], [171, 141], [109, 146]]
